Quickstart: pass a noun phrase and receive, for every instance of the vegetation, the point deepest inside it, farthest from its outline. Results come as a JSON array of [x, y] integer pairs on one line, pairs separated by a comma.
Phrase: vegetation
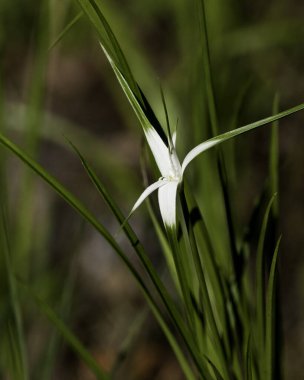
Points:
[[210, 278]]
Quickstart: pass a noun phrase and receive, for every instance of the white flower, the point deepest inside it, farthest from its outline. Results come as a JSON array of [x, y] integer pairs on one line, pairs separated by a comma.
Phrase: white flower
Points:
[[172, 173]]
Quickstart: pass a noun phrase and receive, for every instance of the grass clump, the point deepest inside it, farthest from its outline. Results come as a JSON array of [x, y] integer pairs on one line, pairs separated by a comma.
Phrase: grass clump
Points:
[[220, 310]]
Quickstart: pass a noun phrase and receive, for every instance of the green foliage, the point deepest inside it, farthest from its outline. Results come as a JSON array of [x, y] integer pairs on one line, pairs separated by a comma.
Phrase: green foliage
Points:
[[220, 324]]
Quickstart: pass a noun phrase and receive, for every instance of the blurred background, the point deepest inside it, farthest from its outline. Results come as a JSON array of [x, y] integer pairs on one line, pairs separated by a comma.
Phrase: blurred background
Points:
[[54, 88]]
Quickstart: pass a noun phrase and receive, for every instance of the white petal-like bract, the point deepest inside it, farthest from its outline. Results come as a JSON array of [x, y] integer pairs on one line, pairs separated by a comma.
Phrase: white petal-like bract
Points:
[[159, 150], [149, 190], [198, 150], [167, 203]]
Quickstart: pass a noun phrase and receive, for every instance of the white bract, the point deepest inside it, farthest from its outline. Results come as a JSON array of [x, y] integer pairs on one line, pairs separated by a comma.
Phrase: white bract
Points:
[[171, 171]]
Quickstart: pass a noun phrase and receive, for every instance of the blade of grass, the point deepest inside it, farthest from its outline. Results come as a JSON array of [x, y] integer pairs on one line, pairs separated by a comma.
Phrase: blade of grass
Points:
[[213, 273], [53, 346], [32, 123], [12, 361], [208, 144], [120, 66], [20, 343], [193, 251], [270, 317], [142, 110], [127, 343], [248, 359], [68, 335], [67, 28], [207, 66], [215, 370], [260, 281], [274, 158], [215, 130], [94, 12]]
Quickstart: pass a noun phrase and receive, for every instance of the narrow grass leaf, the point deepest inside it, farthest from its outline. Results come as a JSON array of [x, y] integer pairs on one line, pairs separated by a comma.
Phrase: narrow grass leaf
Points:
[[215, 370], [32, 122], [128, 342], [236, 132], [17, 326], [143, 112], [212, 272], [274, 157], [260, 281], [12, 360], [248, 359], [270, 317], [47, 363], [207, 66], [69, 336], [109, 42], [66, 30], [192, 251], [210, 95]]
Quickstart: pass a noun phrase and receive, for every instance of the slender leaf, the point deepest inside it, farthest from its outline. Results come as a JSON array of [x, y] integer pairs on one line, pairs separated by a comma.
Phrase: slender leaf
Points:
[[208, 144], [68, 27], [19, 347], [274, 157], [248, 359], [215, 370], [69, 336], [108, 40], [193, 251], [270, 317], [260, 280]]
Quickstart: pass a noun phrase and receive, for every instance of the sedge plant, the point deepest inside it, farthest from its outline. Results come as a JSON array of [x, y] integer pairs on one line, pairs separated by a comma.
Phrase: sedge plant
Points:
[[218, 327]]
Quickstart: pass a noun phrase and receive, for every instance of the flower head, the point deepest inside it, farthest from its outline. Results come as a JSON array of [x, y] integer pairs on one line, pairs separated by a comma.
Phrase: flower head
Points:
[[172, 173]]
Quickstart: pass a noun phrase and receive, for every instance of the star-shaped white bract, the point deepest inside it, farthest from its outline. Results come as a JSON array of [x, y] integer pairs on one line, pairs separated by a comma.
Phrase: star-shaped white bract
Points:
[[172, 174]]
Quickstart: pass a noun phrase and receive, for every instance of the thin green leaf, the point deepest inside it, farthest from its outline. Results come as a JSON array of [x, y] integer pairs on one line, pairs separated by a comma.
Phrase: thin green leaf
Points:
[[270, 317], [17, 327], [167, 117], [94, 12], [69, 336], [248, 359], [274, 157], [47, 363], [236, 132], [144, 112], [213, 274], [127, 343], [207, 67], [192, 250], [210, 94], [12, 359], [68, 27], [215, 370], [31, 123], [260, 280]]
